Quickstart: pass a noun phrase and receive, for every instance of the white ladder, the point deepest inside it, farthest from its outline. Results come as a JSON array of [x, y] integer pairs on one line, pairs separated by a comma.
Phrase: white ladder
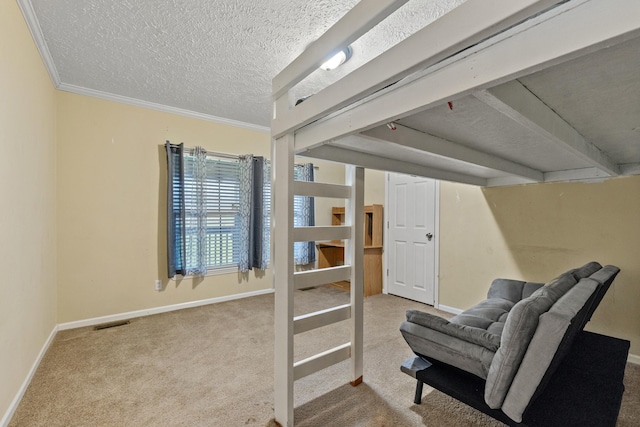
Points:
[[285, 280]]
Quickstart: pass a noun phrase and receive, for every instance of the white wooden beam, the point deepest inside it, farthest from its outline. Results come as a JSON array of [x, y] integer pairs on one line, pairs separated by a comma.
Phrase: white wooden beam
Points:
[[282, 261], [318, 319], [354, 256], [515, 101], [539, 43], [321, 361], [584, 175], [630, 168], [411, 138], [343, 155], [360, 19], [320, 189], [502, 181], [310, 278], [575, 175], [331, 232], [464, 26]]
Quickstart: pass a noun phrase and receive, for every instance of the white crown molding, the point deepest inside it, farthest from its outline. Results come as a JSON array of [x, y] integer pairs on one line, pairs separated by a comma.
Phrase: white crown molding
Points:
[[36, 32], [159, 107], [4, 422]]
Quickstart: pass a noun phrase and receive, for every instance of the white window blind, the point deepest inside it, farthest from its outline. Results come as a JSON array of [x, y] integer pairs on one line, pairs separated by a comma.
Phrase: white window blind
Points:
[[222, 200]]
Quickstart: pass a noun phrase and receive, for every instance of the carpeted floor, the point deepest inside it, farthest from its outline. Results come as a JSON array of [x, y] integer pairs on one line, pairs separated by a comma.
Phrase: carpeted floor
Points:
[[213, 366]]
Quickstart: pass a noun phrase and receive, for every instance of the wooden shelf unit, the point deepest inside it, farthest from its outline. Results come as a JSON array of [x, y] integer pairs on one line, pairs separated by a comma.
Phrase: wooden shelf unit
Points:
[[331, 254]]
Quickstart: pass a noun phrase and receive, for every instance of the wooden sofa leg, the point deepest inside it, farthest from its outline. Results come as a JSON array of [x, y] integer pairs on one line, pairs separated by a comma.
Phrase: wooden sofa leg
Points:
[[418, 398]]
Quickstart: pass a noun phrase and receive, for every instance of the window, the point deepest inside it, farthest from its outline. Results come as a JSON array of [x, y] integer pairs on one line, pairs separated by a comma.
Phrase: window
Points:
[[218, 194], [218, 212]]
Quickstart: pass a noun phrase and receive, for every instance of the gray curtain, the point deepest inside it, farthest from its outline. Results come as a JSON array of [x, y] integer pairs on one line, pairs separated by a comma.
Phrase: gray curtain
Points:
[[254, 213], [175, 210]]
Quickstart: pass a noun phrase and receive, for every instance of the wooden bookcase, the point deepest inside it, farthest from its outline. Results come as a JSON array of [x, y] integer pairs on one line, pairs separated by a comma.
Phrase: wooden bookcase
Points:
[[331, 254]]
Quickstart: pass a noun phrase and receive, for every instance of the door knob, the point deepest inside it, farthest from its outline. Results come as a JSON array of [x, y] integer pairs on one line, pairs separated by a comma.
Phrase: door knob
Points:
[[429, 236]]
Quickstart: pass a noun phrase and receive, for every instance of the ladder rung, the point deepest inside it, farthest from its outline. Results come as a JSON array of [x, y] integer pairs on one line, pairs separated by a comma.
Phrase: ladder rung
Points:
[[321, 361], [311, 234], [311, 278], [321, 318], [320, 189]]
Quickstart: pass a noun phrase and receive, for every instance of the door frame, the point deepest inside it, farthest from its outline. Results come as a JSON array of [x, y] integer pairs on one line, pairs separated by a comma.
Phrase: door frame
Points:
[[436, 238]]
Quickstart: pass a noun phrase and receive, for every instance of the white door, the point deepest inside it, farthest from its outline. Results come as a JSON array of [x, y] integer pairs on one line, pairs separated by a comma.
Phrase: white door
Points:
[[412, 237]]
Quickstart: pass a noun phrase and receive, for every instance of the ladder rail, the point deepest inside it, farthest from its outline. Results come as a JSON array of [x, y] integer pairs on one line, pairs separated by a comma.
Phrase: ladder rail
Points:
[[311, 278], [313, 233], [318, 319], [286, 281], [321, 361]]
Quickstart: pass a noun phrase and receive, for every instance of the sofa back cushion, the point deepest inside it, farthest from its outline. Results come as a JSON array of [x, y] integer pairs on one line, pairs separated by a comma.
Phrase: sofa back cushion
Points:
[[586, 270], [511, 290], [555, 326], [519, 328], [557, 287]]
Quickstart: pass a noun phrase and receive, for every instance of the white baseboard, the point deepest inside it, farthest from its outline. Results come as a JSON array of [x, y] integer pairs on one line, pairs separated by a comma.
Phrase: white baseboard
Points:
[[16, 400], [633, 358], [157, 310], [449, 309]]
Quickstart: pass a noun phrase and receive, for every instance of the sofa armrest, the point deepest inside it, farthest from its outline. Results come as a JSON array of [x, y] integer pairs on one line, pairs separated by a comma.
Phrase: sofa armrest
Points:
[[512, 290], [466, 333]]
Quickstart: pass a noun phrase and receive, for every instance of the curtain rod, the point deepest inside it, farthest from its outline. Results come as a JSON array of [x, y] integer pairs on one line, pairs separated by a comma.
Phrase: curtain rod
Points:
[[230, 156], [211, 153], [217, 154]]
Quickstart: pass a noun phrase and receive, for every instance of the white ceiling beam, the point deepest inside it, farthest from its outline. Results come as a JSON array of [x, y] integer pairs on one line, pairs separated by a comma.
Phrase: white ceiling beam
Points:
[[357, 158], [630, 169], [411, 138], [541, 42], [502, 181], [356, 22], [464, 26], [515, 101], [584, 174]]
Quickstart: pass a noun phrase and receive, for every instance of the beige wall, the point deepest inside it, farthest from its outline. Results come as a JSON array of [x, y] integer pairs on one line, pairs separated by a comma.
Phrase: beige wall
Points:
[[111, 211], [111, 216], [535, 232], [27, 217]]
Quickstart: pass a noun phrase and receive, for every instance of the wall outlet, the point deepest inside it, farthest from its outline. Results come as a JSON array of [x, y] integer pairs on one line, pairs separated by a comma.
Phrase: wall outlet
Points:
[[158, 285]]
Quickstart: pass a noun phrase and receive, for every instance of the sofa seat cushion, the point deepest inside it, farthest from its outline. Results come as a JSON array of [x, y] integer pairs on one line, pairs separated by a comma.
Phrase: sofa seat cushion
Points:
[[471, 334], [519, 328], [452, 350]]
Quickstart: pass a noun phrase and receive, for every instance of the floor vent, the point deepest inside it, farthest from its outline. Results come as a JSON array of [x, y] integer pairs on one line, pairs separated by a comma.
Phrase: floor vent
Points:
[[111, 325]]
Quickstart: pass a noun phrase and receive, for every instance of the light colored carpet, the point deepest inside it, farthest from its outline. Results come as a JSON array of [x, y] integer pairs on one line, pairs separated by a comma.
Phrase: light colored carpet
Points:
[[213, 366]]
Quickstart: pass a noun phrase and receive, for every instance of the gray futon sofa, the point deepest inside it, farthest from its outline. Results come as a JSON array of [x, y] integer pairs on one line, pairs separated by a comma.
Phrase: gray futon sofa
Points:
[[514, 338]]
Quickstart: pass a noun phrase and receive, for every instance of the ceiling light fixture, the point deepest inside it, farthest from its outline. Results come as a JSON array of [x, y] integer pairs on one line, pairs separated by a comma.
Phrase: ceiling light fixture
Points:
[[337, 59]]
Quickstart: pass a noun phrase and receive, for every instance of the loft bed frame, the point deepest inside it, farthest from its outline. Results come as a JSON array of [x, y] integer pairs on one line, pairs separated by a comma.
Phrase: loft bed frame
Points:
[[463, 100]]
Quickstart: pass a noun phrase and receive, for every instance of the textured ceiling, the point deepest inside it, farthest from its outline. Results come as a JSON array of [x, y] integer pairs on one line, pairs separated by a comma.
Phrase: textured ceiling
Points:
[[213, 58]]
